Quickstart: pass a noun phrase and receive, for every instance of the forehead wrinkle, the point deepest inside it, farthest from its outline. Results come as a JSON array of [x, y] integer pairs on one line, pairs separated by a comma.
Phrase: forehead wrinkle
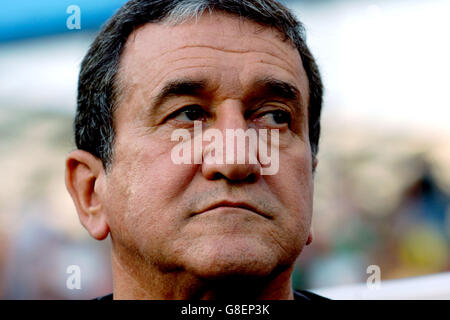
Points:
[[246, 52], [134, 42], [283, 62], [238, 47], [240, 39]]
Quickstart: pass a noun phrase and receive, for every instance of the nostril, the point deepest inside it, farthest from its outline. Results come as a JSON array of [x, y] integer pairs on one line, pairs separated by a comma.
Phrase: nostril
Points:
[[251, 178], [218, 176]]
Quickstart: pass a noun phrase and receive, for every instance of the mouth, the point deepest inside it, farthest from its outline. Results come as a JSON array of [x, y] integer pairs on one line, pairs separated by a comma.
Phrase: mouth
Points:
[[236, 205]]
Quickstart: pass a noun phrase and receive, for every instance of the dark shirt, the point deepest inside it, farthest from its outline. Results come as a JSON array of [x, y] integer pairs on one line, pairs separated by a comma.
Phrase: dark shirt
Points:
[[299, 295], [304, 295]]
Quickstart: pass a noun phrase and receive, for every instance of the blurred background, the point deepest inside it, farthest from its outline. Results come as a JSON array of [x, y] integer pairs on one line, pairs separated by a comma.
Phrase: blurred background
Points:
[[382, 190]]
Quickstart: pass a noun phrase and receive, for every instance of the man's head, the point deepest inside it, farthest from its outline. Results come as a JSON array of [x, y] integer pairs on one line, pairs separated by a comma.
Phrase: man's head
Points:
[[156, 67]]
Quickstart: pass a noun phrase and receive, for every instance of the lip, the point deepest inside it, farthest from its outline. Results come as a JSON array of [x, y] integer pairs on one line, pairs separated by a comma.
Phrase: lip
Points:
[[234, 204]]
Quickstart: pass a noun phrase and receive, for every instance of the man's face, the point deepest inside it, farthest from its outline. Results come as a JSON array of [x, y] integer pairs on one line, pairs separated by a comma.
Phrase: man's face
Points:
[[158, 210]]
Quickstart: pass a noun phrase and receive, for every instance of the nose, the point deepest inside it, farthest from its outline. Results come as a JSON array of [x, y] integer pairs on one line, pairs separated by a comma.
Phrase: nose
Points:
[[239, 147]]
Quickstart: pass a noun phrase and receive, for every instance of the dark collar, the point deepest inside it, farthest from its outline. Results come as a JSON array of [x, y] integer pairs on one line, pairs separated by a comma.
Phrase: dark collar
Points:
[[299, 295]]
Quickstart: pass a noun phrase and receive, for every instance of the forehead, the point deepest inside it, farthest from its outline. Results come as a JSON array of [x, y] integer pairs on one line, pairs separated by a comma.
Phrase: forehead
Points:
[[232, 48]]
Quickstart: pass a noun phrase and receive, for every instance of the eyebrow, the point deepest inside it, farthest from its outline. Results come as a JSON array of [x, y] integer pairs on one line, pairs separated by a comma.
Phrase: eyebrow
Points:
[[277, 88], [261, 89], [178, 87], [272, 88]]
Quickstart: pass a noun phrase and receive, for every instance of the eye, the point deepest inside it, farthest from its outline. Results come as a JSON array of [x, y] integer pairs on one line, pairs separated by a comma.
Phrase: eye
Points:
[[190, 113], [276, 117]]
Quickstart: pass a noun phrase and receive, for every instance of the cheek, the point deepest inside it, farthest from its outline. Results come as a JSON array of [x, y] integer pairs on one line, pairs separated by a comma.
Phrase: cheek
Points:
[[144, 186], [294, 184]]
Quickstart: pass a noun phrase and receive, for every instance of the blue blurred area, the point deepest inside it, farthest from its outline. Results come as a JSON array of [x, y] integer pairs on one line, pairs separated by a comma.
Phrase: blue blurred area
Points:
[[28, 19]]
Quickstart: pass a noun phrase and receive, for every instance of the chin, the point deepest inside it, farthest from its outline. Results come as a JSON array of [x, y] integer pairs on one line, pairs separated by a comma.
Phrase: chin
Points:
[[236, 258]]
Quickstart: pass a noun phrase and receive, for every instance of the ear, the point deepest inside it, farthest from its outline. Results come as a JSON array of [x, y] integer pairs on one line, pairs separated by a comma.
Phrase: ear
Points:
[[84, 176]]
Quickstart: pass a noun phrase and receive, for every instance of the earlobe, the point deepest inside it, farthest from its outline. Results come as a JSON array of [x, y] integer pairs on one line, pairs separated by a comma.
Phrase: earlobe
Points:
[[310, 237], [315, 163], [83, 174]]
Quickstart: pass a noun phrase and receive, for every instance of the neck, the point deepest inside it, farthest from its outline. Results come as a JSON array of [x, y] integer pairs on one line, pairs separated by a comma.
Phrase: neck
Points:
[[142, 281]]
